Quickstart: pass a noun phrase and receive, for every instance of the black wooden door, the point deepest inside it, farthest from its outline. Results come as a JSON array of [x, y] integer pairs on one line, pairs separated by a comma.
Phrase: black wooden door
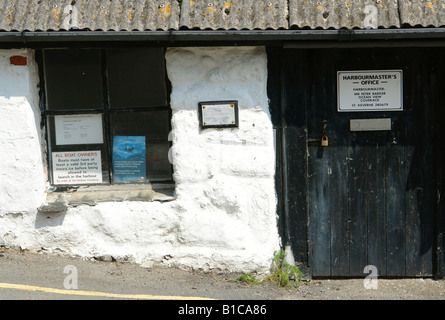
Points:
[[370, 195]]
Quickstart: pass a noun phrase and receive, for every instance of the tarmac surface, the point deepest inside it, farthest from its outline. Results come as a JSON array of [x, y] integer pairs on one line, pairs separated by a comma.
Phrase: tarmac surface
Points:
[[41, 276]]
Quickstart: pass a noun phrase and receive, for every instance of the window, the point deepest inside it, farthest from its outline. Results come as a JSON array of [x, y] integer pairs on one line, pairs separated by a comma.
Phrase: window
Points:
[[107, 116]]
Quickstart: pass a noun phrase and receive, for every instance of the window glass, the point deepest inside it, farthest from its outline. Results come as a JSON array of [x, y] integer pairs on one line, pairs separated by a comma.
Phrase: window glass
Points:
[[107, 116], [73, 79], [136, 77]]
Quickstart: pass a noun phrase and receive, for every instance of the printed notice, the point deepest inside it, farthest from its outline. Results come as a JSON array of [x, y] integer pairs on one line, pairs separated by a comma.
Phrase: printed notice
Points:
[[218, 114], [376, 90], [77, 167], [129, 159], [79, 129]]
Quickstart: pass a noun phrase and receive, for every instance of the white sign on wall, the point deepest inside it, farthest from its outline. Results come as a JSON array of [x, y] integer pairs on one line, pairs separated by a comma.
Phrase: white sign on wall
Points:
[[218, 114], [77, 167], [371, 90], [79, 129]]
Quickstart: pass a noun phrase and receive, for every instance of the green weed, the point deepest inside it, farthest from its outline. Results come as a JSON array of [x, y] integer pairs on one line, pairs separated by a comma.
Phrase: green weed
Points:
[[248, 279], [281, 273]]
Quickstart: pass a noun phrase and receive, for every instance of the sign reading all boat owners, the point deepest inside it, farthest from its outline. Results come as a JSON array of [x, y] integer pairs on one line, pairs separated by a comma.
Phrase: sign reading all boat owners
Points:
[[371, 90]]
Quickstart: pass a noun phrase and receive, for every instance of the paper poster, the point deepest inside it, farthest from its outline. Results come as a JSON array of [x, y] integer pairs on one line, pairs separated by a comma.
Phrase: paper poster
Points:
[[79, 129], [77, 167], [129, 159]]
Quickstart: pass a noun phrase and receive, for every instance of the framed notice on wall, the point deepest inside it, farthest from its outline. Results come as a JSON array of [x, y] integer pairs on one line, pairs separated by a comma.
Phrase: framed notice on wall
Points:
[[218, 114], [370, 90]]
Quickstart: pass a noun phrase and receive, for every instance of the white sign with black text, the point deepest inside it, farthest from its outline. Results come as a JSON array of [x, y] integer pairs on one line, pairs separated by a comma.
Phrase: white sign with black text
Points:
[[79, 129], [371, 90], [218, 114]]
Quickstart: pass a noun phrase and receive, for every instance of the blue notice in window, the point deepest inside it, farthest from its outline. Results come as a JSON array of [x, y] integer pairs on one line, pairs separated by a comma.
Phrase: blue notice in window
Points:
[[129, 164]]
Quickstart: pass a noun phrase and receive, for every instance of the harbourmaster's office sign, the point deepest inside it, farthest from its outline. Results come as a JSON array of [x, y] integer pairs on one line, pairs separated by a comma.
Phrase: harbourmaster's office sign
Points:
[[370, 90]]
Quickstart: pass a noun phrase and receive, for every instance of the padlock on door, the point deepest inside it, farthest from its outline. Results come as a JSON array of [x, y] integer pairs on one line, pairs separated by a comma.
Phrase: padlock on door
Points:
[[324, 140]]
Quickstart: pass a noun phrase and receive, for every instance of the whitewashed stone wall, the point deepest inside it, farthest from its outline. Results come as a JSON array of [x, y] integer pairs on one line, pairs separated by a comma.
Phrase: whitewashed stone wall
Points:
[[224, 214], [22, 173]]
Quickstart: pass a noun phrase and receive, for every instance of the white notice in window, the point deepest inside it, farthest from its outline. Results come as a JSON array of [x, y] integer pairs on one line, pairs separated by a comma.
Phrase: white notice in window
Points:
[[79, 129], [77, 167]]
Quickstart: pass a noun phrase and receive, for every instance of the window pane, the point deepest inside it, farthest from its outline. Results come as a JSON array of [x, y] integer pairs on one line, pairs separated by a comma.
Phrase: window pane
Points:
[[136, 77], [140, 146], [73, 79], [76, 164]]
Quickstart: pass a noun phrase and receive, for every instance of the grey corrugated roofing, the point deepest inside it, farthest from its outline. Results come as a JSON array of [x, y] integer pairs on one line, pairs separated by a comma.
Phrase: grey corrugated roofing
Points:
[[106, 15], [347, 14], [235, 14], [422, 13], [143, 15]]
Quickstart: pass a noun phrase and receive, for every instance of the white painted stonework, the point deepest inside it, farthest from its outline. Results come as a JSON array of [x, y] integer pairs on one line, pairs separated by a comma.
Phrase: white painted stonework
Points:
[[223, 216], [22, 173]]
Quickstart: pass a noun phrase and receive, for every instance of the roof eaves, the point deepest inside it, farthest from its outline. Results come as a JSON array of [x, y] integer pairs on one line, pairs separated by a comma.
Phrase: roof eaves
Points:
[[264, 36]]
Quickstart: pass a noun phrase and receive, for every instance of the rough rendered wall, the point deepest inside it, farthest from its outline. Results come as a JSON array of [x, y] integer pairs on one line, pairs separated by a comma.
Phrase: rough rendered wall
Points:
[[225, 177], [224, 214], [22, 173]]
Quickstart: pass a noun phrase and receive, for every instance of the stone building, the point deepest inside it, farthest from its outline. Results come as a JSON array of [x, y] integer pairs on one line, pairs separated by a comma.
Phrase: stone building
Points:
[[190, 133]]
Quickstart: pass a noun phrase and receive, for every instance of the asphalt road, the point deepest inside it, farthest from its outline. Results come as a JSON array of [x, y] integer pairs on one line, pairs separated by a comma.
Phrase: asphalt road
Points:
[[45, 276], [32, 276]]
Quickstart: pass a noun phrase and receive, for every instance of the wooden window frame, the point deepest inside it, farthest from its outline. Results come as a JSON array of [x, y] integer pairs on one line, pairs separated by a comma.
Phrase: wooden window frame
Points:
[[106, 113]]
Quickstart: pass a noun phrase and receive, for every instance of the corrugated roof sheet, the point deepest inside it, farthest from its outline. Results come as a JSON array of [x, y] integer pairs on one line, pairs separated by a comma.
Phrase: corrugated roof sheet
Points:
[[422, 13], [132, 15], [348, 14], [45, 15], [236, 14]]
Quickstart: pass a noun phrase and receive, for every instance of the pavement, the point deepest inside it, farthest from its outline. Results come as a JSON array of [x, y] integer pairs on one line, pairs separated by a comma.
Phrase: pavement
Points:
[[42, 276]]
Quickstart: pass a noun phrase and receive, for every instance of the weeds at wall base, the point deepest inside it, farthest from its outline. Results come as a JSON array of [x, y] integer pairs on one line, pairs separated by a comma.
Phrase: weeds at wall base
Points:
[[281, 273]]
